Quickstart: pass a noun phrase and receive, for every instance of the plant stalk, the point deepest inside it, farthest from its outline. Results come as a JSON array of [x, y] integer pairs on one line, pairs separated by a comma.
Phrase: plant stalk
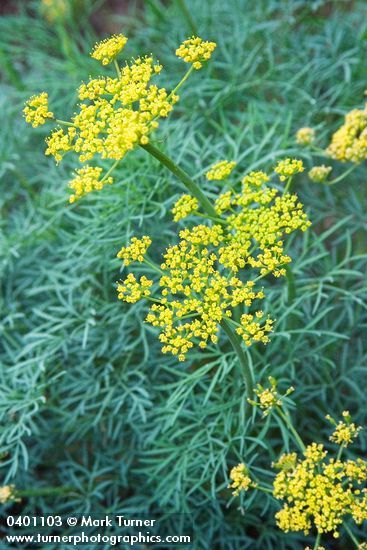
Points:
[[237, 346], [182, 176]]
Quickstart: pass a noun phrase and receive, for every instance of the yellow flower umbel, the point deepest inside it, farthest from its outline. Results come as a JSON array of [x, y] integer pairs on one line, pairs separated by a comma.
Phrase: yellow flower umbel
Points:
[[269, 398], [87, 179], [55, 9], [288, 167], [196, 51], [319, 491], [7, 494], [130, 290], [220, 171], [36, 110], [241, 480], [345, 430], [107, 50], [199, 285], [319, 174], [349, 143], [135, 251], [184, 206], [305, 136], [114, 115]]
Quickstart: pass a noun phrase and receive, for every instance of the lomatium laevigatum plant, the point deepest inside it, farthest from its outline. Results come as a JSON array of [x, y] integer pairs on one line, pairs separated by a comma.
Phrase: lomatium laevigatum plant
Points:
[[210, 277], [318, 491]]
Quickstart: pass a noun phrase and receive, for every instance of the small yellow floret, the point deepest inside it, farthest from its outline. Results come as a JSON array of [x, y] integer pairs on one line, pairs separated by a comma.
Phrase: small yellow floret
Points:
[[87, 180], [184, 206], [130, 290], [36, 110], [349, 142], [135, 251], [305, 136], [345, 430], [195, 51], [319, 174], [241, 480], [288, 167], [220, 170], [107, 50], [6, 494]]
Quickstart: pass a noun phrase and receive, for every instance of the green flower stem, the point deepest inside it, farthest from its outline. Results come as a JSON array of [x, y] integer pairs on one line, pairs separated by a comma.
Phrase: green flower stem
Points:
[[339, 455], [318, 150], [291, 428], [317, 542], [342, 176], [182, 81], [291, 284], [349, 531], [237, 346], [110, 170], [63, 122], [118, 71], [264, 489], [43, 491], [183, 176], [288, 186], [206, 216], [153, 265]]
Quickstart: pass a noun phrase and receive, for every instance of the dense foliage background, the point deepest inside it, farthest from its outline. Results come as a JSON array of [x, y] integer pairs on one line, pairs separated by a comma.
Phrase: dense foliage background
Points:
[[88, 403]]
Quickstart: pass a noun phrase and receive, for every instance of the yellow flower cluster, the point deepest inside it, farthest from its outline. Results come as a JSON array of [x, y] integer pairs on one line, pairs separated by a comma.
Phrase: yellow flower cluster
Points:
[[135, 251], [199, 286], [319, 174], [107, 50], [320, 492], [86, 180], [184, 206], [345, 431], [305, 136], [130, 290], [349, 142], [196, 51], [287, 168], [241, 480], [36, 110], [220, 171], [268, 399], [55, 9], [116, 114], [7, 494]]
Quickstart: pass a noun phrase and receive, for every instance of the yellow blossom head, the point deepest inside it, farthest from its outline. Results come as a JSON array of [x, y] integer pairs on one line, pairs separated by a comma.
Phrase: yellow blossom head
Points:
[[196, 51], [184, 206], [305, 136], [135, 251], [7, 494], [287, 168], [55, 9], [268, 398], [241, 480], [220, 171], [345, 430], [87, 179], [349, 142], [107, 50], [198, 285], [319, 174], [130, 290], [36, 110], [320, 492]]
